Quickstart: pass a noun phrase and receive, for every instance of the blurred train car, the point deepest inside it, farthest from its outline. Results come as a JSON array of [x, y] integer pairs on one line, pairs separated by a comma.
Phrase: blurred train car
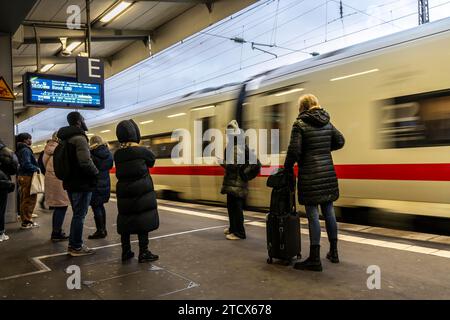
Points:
[[390, 97]]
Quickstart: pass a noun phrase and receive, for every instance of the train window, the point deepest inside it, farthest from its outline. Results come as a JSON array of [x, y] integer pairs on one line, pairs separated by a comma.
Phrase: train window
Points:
[[161, 145], [421, 120], [275, 118]]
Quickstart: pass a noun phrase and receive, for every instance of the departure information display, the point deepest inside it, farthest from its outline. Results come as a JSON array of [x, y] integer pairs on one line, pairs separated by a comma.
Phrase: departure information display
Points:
[[56, 91]]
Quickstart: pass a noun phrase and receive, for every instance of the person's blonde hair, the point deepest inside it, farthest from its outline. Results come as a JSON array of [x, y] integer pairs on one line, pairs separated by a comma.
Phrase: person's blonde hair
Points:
[[307, 101], [96, 141]]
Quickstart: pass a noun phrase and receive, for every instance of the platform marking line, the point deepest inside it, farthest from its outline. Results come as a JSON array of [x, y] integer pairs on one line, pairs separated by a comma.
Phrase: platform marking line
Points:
[[354, 239], [196, 213], [43, 268], [375, 242]]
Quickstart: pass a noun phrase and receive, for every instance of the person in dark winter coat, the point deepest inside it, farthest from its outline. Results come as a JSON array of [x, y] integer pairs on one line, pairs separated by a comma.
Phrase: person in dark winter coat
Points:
[[9, 165], [313, 137], [103, 160], [235, 183], [81, 181], [28, 166], [136, 198]]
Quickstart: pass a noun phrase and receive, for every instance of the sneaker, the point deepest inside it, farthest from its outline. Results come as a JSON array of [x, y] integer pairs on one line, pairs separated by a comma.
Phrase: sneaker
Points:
[[82, 251], [29, 225], [232, 236], [226, 231], [34, 215], [4, 237], [147, 257], [59, 237], [98, 235]]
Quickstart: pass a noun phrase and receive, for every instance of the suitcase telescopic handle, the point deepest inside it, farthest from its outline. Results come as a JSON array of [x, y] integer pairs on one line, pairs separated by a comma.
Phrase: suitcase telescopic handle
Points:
[[281, 229]]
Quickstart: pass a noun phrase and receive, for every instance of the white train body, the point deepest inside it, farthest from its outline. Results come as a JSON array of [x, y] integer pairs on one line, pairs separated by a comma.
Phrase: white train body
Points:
[[397, 151]]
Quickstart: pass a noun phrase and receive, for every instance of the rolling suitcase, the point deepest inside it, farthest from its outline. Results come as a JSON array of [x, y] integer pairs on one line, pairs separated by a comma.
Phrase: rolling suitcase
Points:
[[282, 222]]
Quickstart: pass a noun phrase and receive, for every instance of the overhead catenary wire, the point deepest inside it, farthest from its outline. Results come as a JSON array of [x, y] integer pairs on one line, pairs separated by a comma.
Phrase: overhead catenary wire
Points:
[[233, 71], [318, 43]]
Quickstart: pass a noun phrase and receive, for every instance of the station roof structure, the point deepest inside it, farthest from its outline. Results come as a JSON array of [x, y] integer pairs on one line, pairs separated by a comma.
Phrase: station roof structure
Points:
[[123, 32]]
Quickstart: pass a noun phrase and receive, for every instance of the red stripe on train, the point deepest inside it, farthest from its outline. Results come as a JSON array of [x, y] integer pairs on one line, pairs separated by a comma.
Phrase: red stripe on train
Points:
[[419, 172]]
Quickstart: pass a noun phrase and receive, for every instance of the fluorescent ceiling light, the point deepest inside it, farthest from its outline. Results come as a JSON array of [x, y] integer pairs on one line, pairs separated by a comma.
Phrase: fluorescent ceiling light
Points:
[[354, 75], [105, 131], [145, 122], [121, 7], [203, 108], [47, 67], [176, 115], [288, 91], [72, 46]]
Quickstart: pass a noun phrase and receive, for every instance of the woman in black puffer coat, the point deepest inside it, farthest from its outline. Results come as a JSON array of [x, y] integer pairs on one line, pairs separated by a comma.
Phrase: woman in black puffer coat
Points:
[[313, 138], [136, 198], [103, 160]]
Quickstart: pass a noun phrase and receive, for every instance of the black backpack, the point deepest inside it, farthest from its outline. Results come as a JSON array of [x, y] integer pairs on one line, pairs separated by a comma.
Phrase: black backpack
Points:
[[9, 163], [61, 160]]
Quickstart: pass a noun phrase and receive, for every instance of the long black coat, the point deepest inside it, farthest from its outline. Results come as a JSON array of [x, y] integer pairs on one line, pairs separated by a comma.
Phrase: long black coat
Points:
[[103, 160], [313, 138], [136, 198]]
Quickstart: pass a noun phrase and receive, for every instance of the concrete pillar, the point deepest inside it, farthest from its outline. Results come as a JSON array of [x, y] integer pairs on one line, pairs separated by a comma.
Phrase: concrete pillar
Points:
[[7, 114]]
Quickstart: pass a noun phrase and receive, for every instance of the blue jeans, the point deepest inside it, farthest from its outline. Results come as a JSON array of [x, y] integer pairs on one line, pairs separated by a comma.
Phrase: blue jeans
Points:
[[80, 203], [59, 214], [312, 212]]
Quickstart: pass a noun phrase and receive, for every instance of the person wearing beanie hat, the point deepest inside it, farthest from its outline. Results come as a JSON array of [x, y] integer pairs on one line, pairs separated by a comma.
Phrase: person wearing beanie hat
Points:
[[103, 160], [56, 197], [235, 182], [136, 197], [80, 180]]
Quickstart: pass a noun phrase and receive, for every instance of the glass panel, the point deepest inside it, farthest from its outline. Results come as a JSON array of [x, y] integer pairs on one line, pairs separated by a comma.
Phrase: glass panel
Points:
[[421, 120]]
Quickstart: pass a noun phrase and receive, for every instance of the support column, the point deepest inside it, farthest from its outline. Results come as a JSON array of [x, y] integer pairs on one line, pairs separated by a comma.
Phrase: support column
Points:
[[7, 115]]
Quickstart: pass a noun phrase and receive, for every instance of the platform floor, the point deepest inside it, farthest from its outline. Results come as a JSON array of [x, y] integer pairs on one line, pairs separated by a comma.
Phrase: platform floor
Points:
[[197, 262]]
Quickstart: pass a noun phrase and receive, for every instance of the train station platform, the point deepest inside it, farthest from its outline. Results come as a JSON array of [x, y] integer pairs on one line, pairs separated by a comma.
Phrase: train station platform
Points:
[[197, 262]]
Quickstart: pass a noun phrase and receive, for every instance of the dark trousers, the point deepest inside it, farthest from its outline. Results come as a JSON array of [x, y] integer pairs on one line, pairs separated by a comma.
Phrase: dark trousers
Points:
[[80, 204], [59, 213], [143, 242], [235, 207], [99, 217], [3, 202]]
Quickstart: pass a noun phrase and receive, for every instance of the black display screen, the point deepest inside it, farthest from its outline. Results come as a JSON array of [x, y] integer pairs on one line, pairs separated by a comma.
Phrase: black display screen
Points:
[[43, 90]]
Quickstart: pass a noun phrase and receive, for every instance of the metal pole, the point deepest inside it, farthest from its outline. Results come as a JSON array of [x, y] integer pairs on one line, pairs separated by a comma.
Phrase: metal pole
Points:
[[88, 24], [38, 49]]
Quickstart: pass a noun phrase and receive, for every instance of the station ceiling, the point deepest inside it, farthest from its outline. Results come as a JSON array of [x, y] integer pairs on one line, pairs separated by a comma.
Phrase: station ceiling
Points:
[[144, 28]]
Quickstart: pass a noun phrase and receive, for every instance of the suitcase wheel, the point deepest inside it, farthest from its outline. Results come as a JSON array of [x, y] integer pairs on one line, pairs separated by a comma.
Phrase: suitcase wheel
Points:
[[269, 260]]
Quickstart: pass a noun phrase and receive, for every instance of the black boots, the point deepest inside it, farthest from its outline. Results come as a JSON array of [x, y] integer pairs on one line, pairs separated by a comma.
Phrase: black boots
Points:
[[100, 224], [147, 256], [312, 263], [333, 254], [127, 255]]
